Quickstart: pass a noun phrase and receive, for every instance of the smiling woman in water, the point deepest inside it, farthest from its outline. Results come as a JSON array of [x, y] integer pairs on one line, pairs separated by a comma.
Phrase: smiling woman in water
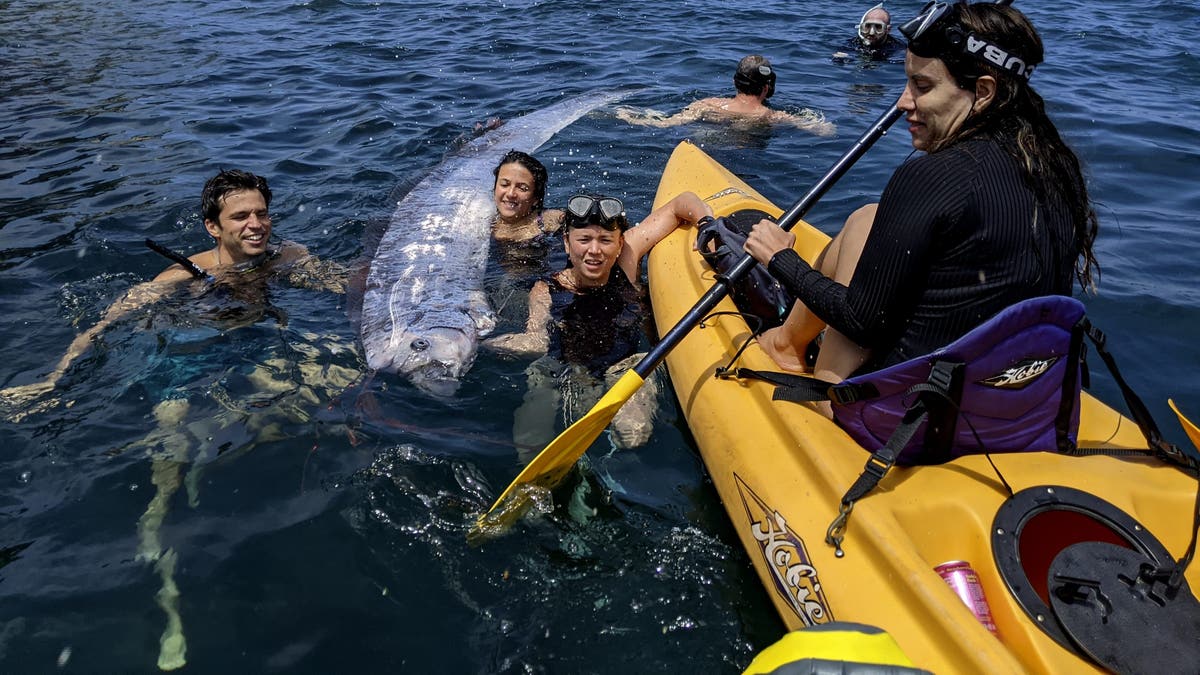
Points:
[[520, 194], [524, 230]]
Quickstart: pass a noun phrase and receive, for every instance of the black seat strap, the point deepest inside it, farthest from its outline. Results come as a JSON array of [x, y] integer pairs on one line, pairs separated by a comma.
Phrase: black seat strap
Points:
[[802, 388], [939, 391], [1168, 452]]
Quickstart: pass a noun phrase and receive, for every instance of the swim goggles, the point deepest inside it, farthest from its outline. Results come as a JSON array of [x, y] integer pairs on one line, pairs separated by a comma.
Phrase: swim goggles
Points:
[[607, 212], [933, 34]]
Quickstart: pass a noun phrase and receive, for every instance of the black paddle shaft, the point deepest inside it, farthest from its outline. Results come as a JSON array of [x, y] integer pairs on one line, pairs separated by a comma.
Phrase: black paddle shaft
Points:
[[721, 288]]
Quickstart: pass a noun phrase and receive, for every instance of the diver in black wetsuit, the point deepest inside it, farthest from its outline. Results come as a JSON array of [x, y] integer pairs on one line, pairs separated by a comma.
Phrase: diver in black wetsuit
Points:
[[874, 41], [995, 213]]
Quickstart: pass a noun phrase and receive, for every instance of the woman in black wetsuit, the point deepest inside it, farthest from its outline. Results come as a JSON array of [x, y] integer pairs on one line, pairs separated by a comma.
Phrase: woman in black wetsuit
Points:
[[587, 318], [996, 211]]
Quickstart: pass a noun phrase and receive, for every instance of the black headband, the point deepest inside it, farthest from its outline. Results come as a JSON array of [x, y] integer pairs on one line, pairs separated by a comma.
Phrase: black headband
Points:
[[934, 34]]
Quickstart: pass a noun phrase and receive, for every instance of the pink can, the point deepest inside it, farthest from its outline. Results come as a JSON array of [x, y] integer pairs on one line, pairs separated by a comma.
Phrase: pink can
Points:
[[960, 576]]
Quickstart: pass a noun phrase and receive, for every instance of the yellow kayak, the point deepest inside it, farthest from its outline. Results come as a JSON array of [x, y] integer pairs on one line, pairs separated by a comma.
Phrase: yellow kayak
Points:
[[781, 470]]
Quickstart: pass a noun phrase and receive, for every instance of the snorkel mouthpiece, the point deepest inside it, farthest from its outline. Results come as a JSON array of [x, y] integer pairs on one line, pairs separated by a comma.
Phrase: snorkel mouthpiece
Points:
[[937, 32]]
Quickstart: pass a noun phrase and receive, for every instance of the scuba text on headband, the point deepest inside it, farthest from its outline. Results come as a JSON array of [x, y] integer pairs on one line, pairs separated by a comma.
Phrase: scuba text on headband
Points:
[[933, 35], [607, 212]]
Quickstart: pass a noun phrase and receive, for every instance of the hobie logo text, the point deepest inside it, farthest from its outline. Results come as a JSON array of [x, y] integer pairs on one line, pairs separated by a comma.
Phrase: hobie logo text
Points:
[[1021, 374]]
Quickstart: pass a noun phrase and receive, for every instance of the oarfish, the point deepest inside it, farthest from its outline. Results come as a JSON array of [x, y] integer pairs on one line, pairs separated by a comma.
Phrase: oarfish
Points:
[[424, 307]]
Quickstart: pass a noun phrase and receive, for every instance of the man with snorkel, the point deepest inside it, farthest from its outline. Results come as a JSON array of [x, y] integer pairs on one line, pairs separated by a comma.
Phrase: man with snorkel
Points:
[[754, 83], [228, 289], [235, 208]]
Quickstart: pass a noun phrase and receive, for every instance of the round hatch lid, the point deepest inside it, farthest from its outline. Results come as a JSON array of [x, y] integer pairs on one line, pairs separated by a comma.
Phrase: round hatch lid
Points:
[[1116, 606]]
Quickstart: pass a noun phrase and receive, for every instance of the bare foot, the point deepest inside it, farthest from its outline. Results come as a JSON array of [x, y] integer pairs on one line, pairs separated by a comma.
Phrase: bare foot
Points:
[[782, 351]]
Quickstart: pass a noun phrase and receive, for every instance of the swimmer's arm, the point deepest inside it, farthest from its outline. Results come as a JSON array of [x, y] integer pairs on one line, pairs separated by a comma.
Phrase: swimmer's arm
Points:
[[321, 275], [552, 220], [808, 120], [653, 118], [684, 209], [536, 338], [138, 296], [309, 271]]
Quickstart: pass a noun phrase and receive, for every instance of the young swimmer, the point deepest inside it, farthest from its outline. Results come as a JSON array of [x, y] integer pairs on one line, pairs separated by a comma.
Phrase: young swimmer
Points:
[[235, 272], [588, 318]]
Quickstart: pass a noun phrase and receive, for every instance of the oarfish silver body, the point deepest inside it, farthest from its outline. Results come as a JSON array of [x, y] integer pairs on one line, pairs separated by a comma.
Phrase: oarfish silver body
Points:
[[424, 307]]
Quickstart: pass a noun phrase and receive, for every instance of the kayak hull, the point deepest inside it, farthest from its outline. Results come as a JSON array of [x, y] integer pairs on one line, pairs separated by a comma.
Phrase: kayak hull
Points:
[[781, 469]]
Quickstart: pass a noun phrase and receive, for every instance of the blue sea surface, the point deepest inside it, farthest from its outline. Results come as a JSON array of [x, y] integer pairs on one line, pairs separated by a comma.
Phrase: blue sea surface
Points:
[[310, 537]]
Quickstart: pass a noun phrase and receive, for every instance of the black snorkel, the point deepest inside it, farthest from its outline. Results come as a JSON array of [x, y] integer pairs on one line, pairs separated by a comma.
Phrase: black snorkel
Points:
[[182, 260]]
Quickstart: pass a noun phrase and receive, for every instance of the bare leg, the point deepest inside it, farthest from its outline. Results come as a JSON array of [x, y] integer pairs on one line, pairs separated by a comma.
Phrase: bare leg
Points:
[[840, 356], [533, 421], [165, 475], [634, 422], [172, 652], [787, 343]]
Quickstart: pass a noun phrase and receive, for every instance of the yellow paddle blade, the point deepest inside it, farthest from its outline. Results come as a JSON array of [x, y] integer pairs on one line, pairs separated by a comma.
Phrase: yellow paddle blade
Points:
[[554, 462], [1190, 427]]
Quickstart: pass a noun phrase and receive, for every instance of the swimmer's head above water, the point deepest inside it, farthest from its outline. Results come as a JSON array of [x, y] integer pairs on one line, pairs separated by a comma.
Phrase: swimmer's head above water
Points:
[[235, 204]]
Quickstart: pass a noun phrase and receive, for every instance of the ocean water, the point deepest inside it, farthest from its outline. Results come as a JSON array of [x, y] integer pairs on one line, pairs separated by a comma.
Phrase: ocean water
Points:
[[309, 534]]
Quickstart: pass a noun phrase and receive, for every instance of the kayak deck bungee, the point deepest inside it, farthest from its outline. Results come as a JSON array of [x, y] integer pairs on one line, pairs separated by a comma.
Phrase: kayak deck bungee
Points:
[[781, 469]]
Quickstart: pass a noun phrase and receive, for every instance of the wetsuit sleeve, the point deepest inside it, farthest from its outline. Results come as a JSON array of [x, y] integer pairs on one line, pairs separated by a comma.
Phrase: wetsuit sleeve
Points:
[[892, 271]]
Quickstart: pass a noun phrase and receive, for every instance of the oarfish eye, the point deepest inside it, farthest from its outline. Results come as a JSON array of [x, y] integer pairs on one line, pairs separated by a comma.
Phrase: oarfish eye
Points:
[[419, 345]]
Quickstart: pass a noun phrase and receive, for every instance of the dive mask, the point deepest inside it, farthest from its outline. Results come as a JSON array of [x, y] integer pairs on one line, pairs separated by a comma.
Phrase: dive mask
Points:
[[607, 212], [934, 34]]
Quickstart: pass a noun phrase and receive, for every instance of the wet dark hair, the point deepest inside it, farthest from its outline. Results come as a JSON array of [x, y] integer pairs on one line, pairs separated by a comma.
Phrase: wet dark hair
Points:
[[540, 175], [753, 74], [1017, 119], [225, 183]]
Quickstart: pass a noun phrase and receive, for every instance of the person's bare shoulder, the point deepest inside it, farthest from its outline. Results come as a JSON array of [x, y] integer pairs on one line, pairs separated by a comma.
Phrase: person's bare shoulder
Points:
[[171, 274], [708, 104], [305, 270], [290, 251]]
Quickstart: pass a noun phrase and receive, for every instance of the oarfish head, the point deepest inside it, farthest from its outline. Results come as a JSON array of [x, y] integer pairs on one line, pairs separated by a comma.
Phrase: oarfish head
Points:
[[433, 359]]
